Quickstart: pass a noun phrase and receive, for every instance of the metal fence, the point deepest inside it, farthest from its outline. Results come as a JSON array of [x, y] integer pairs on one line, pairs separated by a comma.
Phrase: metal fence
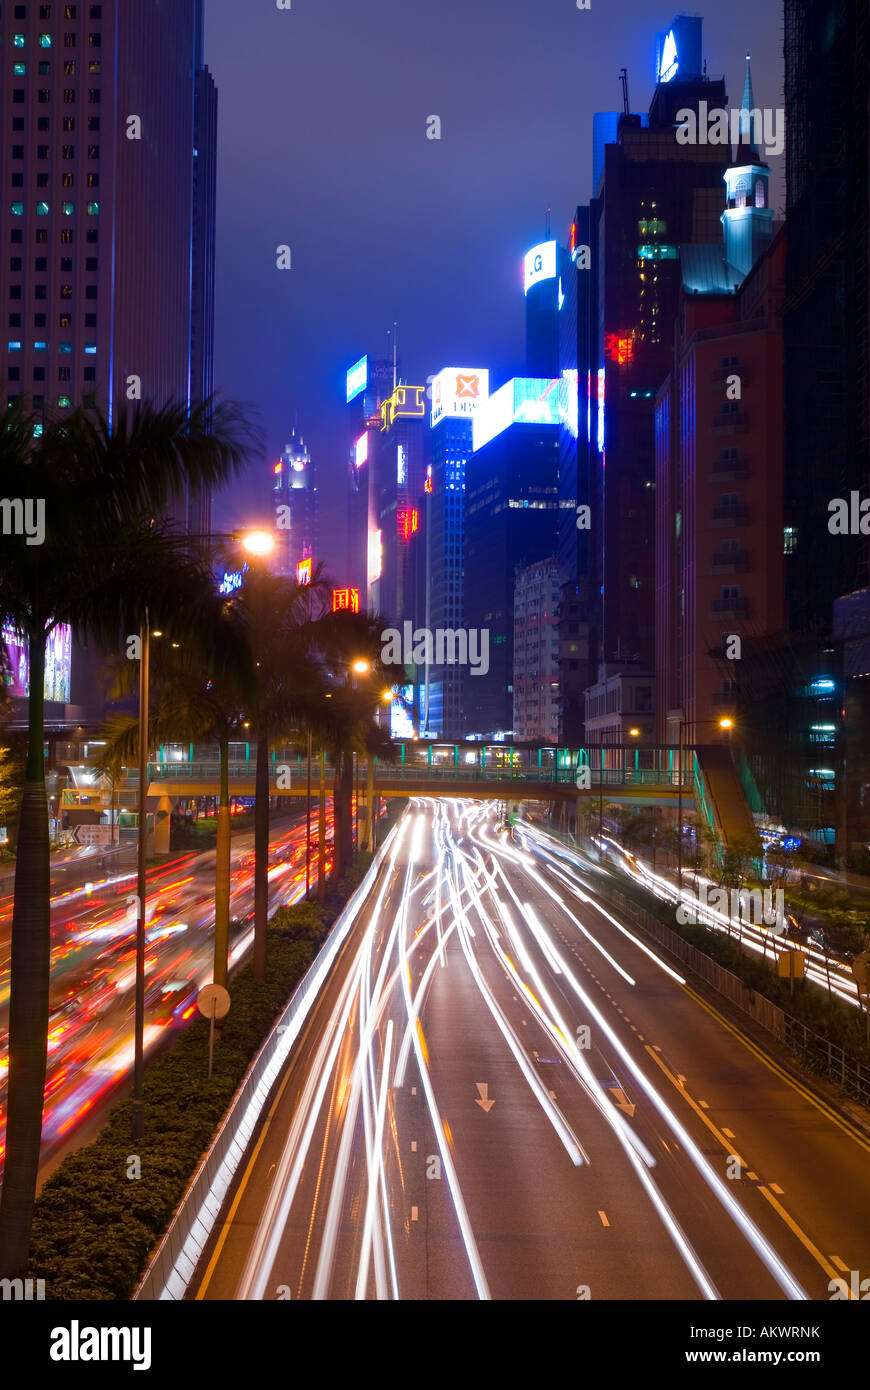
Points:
[[824, 1057]]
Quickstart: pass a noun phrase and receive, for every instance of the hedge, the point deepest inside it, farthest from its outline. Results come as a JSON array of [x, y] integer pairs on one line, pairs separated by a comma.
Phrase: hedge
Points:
[[95, 1224]]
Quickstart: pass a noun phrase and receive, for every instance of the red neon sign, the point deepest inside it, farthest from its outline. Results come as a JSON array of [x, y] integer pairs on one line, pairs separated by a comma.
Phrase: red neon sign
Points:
[[619, 348], [345, 598]]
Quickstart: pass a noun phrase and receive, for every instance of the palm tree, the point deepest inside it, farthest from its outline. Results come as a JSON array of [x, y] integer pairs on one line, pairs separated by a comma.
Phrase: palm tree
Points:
[[191, 702], [103, 562], [347, 723], [283, 632]]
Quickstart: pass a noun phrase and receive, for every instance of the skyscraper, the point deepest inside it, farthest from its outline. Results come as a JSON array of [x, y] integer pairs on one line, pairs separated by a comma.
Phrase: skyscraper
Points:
[[295, 502], [511, 515], [458, 393], [655, 195], [107, 162]]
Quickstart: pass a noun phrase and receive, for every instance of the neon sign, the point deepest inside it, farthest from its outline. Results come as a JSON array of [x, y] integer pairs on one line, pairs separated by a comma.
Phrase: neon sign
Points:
[[619, 348], [362, 449], [407, 401], [345, 598], [668, 64], [539, 264], [303, 571], [358, 378]]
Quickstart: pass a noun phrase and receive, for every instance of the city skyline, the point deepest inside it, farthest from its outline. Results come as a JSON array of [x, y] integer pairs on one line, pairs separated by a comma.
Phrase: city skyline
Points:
[[409, 249]]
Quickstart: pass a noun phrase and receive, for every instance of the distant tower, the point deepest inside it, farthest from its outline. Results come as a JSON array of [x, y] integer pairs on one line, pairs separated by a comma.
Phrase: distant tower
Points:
[[747, 221], [294, 489]]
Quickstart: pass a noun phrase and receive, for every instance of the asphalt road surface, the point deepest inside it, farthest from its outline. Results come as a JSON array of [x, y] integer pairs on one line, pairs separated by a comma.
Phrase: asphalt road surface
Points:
[[504, 1093]]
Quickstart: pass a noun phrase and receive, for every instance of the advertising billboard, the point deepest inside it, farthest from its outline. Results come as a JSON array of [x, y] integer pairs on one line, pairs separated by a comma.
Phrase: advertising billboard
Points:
[[401, 722], [540, 264], [358, 378], [458, 392], [524, 400], [58, 659], [362, 449]]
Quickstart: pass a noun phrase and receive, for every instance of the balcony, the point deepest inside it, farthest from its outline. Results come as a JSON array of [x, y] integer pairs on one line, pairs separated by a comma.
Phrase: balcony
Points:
[[730, 468], [731, 515], [731, 561], [731, 422], [734, 607]]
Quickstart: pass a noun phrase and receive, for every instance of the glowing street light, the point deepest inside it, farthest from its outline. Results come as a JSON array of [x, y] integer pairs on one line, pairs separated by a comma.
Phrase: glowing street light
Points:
[[360, 667], [257, 542]]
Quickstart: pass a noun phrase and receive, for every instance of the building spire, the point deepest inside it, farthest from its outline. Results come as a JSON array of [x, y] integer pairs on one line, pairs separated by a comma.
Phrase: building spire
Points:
[[747, 105]]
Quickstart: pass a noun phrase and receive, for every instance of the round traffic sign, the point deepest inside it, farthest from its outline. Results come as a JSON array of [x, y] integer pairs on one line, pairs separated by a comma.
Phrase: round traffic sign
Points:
[[213, 1001]]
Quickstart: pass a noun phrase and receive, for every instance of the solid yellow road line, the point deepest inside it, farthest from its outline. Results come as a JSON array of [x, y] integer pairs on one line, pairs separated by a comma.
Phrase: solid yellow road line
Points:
[[789, 1221], [225, 1229], [804, 1239], [679, 1086], [820, 1105]]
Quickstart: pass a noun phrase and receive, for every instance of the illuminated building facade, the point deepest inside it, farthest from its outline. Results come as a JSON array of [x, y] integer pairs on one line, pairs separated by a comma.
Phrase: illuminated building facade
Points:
[[511, 520], [396, 482], [108, 228], [367, 383], [458, 395], [654, 196], [537, 592], [295, 502]]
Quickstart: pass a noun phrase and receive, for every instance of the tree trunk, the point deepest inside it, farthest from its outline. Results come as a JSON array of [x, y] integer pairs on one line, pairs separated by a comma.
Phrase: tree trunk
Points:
[[321, 831], [222, 872], [28, 1006], [342, 807], [261, 855]]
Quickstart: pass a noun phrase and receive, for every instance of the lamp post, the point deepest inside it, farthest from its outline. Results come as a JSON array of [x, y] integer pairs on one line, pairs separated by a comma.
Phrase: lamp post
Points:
[[308, 822], [139, 1020], [724, 723]]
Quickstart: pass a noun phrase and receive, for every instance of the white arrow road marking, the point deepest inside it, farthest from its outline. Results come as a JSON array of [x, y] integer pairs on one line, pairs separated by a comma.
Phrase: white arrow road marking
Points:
[[483, 1092]]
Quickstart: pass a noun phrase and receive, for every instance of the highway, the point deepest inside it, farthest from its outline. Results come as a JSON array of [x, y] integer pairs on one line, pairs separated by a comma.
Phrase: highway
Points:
[[503, 1092], [90, 1042]]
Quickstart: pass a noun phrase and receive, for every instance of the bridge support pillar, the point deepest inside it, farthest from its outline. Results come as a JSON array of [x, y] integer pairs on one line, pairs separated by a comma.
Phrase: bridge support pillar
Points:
[[161, 825]]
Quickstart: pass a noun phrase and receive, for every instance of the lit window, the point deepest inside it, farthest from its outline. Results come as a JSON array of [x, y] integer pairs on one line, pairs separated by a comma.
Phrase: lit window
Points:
[[17, 209], [64, 402], [69, 209], [45, 40], [37, 431], [93, 209], [64, 347], [14, 347], [18, 69], [18, 40], [40, 347], [42, 209], [90, 349]]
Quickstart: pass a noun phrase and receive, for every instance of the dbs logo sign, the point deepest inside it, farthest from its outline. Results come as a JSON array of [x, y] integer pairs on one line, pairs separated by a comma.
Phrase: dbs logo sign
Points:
[[467, 387]]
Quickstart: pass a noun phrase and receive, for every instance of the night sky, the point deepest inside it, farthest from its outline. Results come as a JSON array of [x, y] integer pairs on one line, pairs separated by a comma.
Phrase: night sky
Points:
[[322, 146]]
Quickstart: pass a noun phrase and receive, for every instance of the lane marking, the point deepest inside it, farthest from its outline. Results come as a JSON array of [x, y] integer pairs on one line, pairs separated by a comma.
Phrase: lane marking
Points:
[[779, 1071], [835, 1260], [789, 1221], [775, 1187], [604, 1220], [804, 1239], [414, 1215], [413, 1146]]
